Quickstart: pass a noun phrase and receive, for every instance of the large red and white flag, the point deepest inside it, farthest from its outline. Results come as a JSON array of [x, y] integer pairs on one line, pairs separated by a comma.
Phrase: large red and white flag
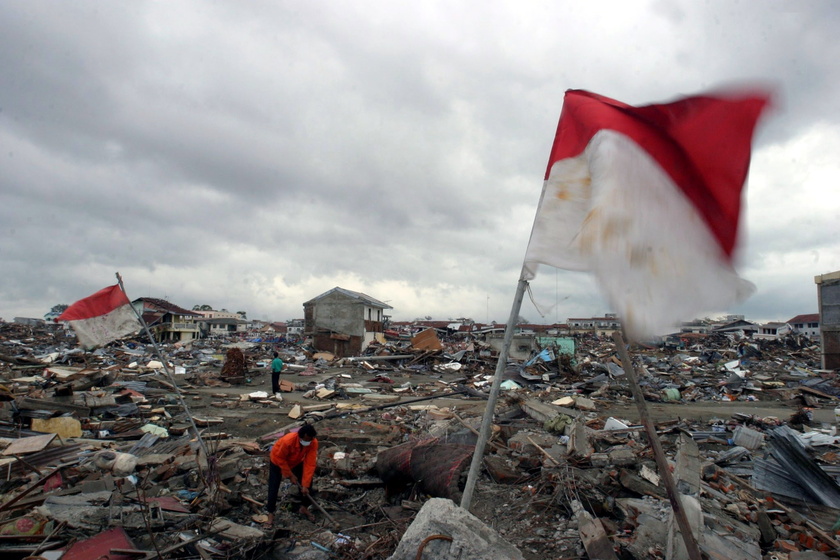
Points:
[[648, 199], [98, 319]]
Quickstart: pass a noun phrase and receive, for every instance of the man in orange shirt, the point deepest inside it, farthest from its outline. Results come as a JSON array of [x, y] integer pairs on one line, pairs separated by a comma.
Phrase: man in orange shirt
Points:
[[293, 456]]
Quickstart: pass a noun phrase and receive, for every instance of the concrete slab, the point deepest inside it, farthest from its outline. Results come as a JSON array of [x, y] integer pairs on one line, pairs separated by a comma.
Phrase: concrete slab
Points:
[[462, 535]]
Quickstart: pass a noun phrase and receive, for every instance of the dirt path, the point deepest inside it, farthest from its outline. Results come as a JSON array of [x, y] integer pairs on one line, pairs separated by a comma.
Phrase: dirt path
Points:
[[705, 411], [253, 420]]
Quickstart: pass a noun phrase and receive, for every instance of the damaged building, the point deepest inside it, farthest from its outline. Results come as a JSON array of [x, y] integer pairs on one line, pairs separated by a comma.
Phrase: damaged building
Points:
[[344, 322]]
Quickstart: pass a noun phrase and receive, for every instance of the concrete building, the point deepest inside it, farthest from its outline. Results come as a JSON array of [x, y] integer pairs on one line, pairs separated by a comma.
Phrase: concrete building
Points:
[[344, 322], [603, 326], [808, 324], [773, 330], [223, 326], [828, 298], [295, 328], [167, 321]]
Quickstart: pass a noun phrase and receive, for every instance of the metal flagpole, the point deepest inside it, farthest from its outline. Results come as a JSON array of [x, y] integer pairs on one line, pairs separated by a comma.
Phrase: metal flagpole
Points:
[[691, 546], [164, 361], [489, 411]]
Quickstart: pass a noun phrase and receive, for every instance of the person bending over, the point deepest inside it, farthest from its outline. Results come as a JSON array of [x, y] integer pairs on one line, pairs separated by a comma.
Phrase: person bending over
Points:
[[293, 456]]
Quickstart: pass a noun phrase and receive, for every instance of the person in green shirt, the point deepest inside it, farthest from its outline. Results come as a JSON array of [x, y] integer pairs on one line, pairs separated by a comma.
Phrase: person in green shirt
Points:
[[276, 368]]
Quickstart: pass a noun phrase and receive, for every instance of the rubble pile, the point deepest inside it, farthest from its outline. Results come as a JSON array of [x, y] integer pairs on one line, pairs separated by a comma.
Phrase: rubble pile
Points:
[[101, 457]]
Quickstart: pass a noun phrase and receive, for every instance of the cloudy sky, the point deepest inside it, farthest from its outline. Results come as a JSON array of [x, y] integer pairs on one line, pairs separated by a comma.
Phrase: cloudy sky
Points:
[[251, 156]]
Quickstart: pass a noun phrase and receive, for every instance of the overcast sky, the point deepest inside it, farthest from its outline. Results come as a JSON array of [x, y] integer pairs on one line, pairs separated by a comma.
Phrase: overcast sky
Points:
[[253, 155]]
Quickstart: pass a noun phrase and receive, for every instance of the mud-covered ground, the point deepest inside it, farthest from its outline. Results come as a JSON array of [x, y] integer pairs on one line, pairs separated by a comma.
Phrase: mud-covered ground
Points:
[[532, 513]]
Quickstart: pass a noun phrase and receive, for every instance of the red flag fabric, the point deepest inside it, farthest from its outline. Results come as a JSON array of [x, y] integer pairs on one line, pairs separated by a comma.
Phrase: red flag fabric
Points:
[[648, 199], [102, 317]]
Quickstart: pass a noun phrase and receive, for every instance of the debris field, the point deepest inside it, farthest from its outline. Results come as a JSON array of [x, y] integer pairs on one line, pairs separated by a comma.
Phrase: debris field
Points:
[[102, 459]]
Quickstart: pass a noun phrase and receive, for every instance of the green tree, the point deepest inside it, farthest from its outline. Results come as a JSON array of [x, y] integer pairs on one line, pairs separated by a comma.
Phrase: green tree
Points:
[[242, 314], [59, 308]]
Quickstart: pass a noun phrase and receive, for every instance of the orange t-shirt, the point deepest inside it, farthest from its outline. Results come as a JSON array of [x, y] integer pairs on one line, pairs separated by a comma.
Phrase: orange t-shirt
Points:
[[288, 453]]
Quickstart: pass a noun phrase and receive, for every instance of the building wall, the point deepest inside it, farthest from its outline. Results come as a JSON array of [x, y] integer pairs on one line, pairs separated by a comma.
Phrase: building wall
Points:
[[521, 345], [341, 346], [828, 297], [337, 313], [807, 329]]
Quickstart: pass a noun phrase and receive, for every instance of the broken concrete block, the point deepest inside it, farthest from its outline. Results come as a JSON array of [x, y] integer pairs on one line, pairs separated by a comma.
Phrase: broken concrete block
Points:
[[233, 530], [564, 401], [524, 441], [465, 536], [579, 445], [639, 485], [542, 412], [599, 459], [582, 403], [622, 456], [296, 412]]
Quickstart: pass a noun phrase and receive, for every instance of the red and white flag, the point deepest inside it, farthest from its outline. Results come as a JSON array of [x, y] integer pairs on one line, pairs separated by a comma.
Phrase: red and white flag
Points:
[[98, 319], [648, 199]]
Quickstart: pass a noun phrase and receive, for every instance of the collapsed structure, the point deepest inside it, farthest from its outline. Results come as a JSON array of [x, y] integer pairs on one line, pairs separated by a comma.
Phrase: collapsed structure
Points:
[[100, 457]]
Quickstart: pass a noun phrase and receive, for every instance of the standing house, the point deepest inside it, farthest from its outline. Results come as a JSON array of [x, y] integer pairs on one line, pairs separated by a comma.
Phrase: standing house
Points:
[[294, 328], [603, 326], [808, 324], [343, 322], [166, 321], [773, 330], [223, 326], [738, 326]]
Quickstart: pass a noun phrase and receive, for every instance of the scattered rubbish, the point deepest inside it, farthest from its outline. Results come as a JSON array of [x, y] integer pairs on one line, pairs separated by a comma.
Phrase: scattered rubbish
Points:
[[105, 454]]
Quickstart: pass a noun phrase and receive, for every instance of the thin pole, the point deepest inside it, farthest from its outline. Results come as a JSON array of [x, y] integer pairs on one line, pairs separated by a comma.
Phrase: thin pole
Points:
[[164, 361], [487, 421], [679, 513]]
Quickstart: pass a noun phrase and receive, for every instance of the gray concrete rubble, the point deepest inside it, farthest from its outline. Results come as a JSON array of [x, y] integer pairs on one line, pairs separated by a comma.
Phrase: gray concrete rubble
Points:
[[99, 454], [444, 531]]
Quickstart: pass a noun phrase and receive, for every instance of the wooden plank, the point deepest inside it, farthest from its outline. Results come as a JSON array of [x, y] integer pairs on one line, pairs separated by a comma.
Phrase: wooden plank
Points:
[[426, 340], [28, 403], [687, 471], [29, 444], [593, 535]]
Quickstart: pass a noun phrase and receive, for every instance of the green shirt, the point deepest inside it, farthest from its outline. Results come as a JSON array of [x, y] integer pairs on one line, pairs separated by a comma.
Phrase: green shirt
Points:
[[276, 365]]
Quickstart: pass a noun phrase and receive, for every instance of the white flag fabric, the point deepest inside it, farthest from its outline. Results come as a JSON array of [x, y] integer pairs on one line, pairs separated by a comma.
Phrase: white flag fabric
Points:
[[648, 200]]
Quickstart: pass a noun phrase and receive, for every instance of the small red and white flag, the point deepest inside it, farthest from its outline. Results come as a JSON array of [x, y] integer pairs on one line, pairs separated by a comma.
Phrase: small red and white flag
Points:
[[102, 317], [648, 199]]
